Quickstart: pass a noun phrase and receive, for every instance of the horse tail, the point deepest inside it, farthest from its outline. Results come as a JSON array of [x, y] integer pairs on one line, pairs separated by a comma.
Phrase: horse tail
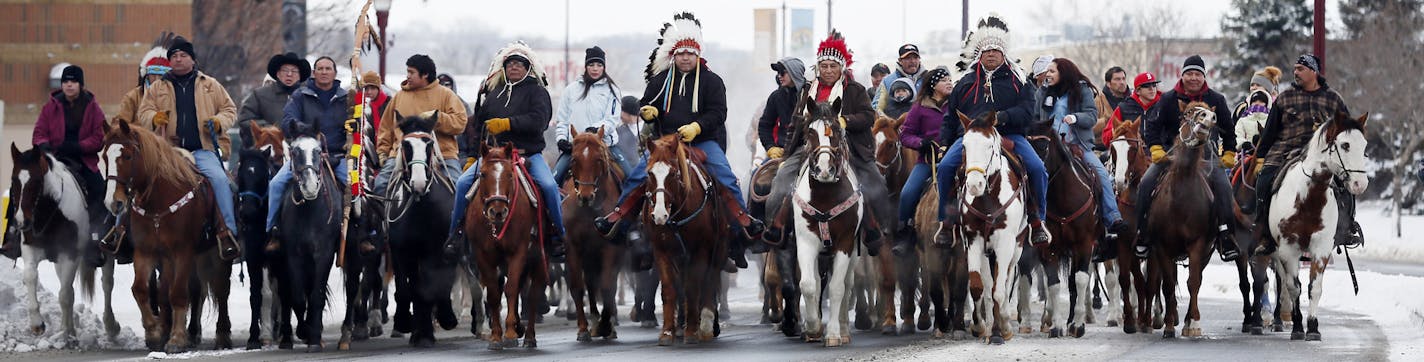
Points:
[[86, 279]]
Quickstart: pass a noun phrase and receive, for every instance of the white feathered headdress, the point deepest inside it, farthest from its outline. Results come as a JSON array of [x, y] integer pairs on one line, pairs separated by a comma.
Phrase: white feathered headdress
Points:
[[515, 49], [991, 34], [159, 51], [683, 34]]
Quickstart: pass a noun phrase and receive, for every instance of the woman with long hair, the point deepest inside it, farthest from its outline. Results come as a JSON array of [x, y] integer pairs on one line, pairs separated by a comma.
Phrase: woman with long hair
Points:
[[588, 104], [1068, 102]]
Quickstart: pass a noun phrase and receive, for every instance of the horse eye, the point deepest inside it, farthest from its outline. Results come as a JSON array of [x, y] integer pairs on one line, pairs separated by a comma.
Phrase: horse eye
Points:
[[1345, 146]]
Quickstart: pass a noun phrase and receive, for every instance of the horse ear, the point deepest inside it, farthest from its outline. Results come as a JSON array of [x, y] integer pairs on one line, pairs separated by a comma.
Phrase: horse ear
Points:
[[124, 128], [964, 121], [14, 152], [993, 119], [1181, 105], [836, 106], [1362, 119], [484, 148], [900, 122], [572, 131], [601, 132], [810, 107]]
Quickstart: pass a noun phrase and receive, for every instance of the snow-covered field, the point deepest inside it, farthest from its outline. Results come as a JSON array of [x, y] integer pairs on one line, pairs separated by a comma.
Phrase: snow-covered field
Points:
[[1381, 241]]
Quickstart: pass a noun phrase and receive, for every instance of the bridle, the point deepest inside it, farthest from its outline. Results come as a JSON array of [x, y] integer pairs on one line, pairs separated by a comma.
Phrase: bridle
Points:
[[597, 180], [886, 167], [1195, 115]]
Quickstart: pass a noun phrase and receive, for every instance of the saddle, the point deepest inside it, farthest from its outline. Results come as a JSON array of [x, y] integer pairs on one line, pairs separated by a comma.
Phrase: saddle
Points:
[[760, 191]]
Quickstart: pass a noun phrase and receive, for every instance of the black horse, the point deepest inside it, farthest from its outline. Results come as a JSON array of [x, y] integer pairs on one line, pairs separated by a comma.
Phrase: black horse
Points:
[[255, 167], [364, 262], [310, 225], [418, 202]]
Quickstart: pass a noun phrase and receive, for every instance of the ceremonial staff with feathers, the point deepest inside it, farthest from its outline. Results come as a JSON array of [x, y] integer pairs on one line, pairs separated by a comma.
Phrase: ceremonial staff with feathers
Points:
[[366, 38]]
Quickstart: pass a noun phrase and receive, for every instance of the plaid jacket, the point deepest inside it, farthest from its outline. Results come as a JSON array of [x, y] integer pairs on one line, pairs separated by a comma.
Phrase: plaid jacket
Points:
[[1294, 117]]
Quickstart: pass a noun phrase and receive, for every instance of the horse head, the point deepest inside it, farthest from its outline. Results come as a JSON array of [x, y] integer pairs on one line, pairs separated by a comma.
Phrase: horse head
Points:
[[117, 161], [588, 164], [497, 185], [30, 181], [983, 153], [267, 139], [887, 142], [1343, 148], [669, 175], [1129, 158], [305, 157], [1197, 121], [419, 153], [826, 140]]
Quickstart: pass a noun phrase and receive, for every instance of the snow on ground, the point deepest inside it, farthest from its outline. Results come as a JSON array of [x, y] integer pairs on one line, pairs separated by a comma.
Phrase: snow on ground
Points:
[[15, 333], [1381, 241]]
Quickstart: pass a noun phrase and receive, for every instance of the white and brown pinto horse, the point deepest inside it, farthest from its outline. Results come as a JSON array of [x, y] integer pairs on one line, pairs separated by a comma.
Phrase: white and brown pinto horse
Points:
[[828, 199], [1303, 212], [995, 222]]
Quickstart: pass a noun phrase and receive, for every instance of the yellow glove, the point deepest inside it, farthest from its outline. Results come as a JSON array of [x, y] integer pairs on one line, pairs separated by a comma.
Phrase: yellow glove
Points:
[[497, 125], [1158, 154], [351, 125], [469, 161], [160, 119], [648, 112], [843, 124], [775, 152], [357, 111], [1228, 159], [1260, 164], [689, 131]]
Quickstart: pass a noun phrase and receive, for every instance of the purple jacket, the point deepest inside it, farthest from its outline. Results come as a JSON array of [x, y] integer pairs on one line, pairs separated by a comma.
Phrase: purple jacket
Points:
[[922, 124], [49, 128]]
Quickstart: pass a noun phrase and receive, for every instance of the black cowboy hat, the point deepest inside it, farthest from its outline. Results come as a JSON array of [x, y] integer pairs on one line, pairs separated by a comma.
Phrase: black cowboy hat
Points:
[[279, 60]]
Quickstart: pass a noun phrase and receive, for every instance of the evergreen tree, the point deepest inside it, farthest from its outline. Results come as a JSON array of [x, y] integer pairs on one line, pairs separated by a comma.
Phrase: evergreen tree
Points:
[[1259, 33]]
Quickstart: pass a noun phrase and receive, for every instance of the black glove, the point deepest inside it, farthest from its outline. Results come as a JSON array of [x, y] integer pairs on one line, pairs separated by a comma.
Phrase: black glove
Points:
[[70, 148], [926, 148], [590, 130], [565, 146]]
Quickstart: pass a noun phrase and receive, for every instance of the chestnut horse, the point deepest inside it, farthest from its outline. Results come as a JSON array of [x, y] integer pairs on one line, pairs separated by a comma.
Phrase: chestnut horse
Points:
[[594, 262], [1124, 274], [1180, 218], [890, 271], [503, 229], [781, 297], [1073, 220], [172, 214], [685, 224]]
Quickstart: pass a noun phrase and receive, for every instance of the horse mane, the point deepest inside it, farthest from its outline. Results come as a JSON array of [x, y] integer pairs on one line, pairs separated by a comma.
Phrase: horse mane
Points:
[[588, 139], [1342, 123], [670, 149], [56, 181], [161, 161]]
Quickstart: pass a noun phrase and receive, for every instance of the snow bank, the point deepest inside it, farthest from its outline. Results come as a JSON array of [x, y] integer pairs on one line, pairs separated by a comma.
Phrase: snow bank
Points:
[[1381, 241], [15, 320]]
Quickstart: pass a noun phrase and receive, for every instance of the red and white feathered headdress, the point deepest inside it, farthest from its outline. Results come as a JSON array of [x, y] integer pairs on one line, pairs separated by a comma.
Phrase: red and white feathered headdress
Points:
[[834, 48], [682, 35], [156, 59]]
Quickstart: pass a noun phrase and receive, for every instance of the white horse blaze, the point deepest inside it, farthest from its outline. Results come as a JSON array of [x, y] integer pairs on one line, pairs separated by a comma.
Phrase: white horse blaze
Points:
[[111, 172], [661, 211], [1120, 161], [24, 178], [418, 162], [309, 148]]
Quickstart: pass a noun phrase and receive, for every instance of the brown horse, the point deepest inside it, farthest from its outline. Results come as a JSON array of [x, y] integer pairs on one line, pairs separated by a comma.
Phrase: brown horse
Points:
[[687, 229], [943, 272], [781, 296], [1252, 270], [1073, 222], [1180, 218], [503, 230], [594, 262], [1129, 163], [894, 162], [172, 209]]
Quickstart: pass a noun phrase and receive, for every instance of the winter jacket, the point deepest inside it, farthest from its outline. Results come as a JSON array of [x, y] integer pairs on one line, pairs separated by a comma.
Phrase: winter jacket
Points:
[[599, 108], [378, 106], [855, 108], [882, 99], [1294, 117], [922, 124], [413, 101], [50, 129], [1085, 112], [676, 112], [774, 126], [1133, 109], [266, 104], [1162, 130], [526, 104], [128, 107], [210, 101], [306, 110], [1107, 102], [629, 148], [895, 109], [978, 93]]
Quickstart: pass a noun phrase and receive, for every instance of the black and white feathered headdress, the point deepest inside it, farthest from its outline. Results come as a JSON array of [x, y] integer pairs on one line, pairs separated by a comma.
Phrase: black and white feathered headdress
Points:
[[682, 35], [516, 49], [991, 34]]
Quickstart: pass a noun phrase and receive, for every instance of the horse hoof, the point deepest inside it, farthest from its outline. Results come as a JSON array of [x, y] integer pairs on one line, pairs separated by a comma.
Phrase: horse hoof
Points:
[[1191, 332], [1278, 328], [314, 348], [584, 337], [285, 343], [254, 344], [38, 330], [612, 335], [531, 343], [397, 334], [923, 323], [907, 328], [1129, 329], [1025, 330], [377, 331], [690, 339], [360, 333], [1080, 331], [495, 346], [343, 346], [666, 340], [648, 323], [1169, 334], [1055, 332], [176, 348], [1112, 323], [222, 342], [937, 334], [996, 340], [153, 345], [402, 321], [889, 330], [833, 342], [862, 324], [1297, 336], [422, 342], [1257, 330], [1312, 336]]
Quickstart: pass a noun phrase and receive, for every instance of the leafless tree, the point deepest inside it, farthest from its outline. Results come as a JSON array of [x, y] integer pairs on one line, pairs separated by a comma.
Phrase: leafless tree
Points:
[[234, 39]]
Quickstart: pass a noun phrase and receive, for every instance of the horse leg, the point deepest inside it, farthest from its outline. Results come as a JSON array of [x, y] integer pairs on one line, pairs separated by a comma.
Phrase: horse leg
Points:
[[1112, 286], [1025, 300], [176, 276], [111, 325], [537, 276], [317, 300], [256, 292], [1317, 281], [886, 293], [67, 266], [1169, 293], [1003, 270], [1051, 299], [935, 287], [668, 280], [512, 283], [1120, 283], [578, 288], [907, 280], [839, 303], [220, 286], [143, 267], [810, 285], [489, 278], [351, 281], [1244, 283], [609, 286], [31, 280], [1199, 259], [1082, 284], [1258, 290]]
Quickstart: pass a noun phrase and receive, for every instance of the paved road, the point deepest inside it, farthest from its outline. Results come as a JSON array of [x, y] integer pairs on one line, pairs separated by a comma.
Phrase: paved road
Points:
[[1348, 337]]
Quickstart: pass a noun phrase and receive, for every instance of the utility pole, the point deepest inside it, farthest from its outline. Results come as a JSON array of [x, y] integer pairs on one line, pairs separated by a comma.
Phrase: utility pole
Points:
[[784, 36], [1320, 33], [828, 17], [566, 66], [964, 21]]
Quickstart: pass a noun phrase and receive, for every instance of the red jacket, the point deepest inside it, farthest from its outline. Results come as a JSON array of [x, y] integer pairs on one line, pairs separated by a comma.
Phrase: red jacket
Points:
[[49, 128]]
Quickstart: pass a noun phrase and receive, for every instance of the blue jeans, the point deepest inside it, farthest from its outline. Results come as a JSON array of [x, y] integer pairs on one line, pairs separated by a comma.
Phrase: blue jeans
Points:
[[1107, 200], [716, 164], [914, 189], [538, 172], [1037, 174], [565, 161], [211, 167], [278, 186]]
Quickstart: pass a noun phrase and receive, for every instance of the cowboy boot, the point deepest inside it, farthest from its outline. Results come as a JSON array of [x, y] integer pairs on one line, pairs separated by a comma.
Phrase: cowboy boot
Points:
[[1265, 244], [612, 225], [1226, 243], [737, 252], [1347, 234], [904, 239], [451, 250], [752, 227], [555, 242], [872, 237], [111, 242], [229, 249], [1107, 250]]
